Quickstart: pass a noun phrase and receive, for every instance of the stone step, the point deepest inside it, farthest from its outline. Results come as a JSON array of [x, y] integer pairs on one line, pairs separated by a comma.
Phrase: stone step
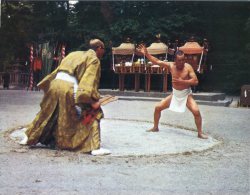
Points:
[[203, 96], [223, 103]]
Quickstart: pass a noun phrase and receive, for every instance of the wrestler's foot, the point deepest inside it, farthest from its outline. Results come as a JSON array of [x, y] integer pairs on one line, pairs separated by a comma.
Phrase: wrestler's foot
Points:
[[100, 152], [152, 130], [202, 136]]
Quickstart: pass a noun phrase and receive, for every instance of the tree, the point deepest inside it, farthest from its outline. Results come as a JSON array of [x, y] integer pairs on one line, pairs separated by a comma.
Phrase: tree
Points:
[[226, 25], [14, 30]]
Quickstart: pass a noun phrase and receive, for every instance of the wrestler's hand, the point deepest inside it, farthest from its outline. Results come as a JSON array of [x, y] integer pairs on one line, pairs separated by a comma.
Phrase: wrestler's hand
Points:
[[141, 49], [180, 81], [96, 105]]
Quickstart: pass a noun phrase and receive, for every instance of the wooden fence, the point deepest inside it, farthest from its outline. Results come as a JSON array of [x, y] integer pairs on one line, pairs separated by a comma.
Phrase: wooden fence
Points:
[[16, 78]]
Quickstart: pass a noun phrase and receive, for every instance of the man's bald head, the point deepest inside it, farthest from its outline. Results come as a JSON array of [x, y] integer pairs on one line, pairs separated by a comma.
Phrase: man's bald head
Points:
[[98, 46], [179, 53], [179, 59], [96, 43]]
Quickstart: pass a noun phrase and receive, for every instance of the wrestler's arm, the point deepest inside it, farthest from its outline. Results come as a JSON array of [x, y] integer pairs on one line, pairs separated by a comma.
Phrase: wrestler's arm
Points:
[[193, 78], [154, 60]]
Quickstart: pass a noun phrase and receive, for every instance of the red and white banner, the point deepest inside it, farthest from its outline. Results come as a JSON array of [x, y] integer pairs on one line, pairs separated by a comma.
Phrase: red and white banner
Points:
[[63, 51], [31, 67]]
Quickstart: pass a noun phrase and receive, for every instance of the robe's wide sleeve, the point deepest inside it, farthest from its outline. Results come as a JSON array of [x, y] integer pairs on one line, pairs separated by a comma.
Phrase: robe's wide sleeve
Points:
[[89, 83], [44, 84], [68, 65]]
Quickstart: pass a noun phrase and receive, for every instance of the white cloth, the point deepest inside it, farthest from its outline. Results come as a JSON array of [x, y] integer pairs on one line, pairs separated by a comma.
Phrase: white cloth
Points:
[[100, 152], [67, 77], [179, 100], [19, 136]]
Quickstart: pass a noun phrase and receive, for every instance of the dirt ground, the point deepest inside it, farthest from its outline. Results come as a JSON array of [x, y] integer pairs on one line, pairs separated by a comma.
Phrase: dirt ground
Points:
[[224, 169]]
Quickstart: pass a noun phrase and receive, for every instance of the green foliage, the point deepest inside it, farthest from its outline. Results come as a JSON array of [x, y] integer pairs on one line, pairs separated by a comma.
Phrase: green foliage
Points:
[[230, 71], [126, 27], [226, 25]]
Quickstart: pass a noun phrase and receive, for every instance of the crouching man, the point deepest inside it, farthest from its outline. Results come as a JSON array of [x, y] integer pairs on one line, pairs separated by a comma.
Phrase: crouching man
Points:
[[71, 88], [183, 77]]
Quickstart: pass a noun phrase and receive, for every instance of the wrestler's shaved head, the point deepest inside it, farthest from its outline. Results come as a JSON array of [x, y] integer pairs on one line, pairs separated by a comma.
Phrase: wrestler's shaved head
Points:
[[179, 53], [179, 59]]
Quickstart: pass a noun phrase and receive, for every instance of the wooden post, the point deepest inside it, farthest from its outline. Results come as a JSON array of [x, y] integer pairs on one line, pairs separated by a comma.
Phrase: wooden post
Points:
[[137, 82], [147, 82], [165, 82], [121, 82]]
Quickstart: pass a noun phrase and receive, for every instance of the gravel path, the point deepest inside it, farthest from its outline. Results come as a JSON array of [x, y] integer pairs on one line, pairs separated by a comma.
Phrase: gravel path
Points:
[[224, 169]]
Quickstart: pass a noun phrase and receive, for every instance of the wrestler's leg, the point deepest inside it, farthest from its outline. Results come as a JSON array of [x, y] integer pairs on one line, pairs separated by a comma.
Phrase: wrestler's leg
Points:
[[193, 107], [163, 104]]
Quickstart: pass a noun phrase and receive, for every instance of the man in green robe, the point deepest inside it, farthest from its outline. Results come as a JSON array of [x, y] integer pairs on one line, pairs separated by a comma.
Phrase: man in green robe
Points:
[[68, 91]]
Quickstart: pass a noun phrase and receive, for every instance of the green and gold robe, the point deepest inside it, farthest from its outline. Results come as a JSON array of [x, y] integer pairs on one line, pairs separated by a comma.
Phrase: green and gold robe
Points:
[[57, 120]]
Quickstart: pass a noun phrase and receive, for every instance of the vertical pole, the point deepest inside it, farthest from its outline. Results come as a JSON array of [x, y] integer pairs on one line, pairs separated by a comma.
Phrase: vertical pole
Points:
[[31, 68], [63, 51]]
